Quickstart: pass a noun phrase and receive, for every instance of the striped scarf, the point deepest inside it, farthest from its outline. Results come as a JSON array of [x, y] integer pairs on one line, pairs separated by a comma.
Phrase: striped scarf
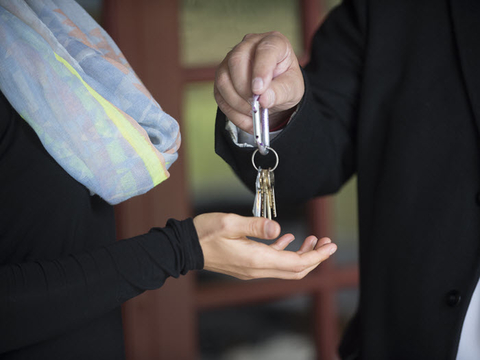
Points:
[[69, 81]]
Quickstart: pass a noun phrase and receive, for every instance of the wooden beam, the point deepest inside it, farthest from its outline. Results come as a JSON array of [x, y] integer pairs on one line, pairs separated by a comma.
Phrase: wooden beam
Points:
[[235, 292], [196, 74]]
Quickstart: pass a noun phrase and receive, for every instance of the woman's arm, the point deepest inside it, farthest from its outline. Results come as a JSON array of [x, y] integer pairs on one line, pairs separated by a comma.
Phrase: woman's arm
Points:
[[42, 299]]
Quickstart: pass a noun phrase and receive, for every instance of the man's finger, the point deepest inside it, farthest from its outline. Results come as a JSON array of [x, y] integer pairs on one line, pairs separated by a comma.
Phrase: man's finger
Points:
[[285, 91], [272, 57], [240, 120], [239, 65], [225, 87]]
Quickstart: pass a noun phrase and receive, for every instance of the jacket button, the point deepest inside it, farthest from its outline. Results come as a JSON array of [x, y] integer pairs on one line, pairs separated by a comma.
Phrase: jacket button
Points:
[[453, 298]]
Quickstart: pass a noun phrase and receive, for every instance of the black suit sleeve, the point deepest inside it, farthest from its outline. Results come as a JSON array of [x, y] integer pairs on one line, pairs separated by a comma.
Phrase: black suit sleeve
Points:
[[43, 299], [316, 149]]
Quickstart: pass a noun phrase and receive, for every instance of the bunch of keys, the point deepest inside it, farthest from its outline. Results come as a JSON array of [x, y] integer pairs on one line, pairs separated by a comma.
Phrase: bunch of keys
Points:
[[264, 203]]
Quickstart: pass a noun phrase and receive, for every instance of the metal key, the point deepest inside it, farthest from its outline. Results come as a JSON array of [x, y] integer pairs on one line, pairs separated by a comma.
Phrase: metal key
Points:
[[265, 195], [263, 198], [268, 205], [257, 203], [272, 192]]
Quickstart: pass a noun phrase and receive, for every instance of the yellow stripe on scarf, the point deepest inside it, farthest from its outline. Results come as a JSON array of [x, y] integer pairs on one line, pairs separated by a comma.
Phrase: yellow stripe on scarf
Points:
[[137, 141]]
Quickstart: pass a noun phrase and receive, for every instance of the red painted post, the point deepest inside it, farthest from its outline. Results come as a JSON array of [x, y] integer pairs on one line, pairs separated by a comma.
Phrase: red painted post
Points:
[[158, 324]]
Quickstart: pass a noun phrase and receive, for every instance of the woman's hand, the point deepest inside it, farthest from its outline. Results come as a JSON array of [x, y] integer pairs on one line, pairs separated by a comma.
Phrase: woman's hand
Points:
[[262, 64], [227, 250]]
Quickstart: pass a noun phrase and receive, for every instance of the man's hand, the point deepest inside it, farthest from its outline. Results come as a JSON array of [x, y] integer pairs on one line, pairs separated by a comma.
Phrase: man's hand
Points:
[[265, 65], [227, 250]]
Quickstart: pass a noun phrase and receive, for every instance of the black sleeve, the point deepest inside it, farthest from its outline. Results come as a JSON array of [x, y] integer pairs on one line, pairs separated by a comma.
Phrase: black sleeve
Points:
[[42, 299], [317, 148]]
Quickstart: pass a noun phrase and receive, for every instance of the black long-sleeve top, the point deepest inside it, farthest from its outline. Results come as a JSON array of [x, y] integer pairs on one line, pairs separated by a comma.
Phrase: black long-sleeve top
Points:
[[63, 275]]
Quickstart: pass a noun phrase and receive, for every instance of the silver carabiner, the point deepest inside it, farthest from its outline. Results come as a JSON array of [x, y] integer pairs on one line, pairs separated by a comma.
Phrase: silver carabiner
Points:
[[261, 128]]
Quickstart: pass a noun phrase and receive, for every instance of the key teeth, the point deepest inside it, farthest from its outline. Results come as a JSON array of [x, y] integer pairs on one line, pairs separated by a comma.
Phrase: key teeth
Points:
[[274, 205]]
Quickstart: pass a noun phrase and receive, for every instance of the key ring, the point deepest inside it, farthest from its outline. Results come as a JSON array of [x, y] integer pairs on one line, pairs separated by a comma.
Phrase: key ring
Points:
[[261, 128], [269, 148]]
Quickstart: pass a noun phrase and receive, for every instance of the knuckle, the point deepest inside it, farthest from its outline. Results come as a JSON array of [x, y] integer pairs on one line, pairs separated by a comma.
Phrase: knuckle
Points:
[[276, 34], [272, 39], [230, 216], [221, 78], [297, 276], [230, 221], [216, 93], [235, 59], [299, 268], [267, 45], [255, 227], [218, 98], [223, 105], [224, 221], [248, 36], [282, 38]]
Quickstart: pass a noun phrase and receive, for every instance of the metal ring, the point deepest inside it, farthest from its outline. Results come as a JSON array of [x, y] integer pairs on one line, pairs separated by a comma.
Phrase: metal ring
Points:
[[269, 148]]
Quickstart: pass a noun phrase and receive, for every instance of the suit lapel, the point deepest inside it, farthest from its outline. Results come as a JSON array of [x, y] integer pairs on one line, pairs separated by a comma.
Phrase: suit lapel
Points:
[[466, 25]]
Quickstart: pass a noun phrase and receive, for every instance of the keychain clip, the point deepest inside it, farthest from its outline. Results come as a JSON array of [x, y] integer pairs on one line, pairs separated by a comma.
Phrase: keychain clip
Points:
[[261, 128]]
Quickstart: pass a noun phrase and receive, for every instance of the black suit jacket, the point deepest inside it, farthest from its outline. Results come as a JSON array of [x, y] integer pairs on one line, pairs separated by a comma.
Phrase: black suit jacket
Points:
[[393, 95]]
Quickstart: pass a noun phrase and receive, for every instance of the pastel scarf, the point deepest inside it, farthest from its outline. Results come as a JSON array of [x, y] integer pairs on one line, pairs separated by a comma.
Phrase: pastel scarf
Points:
[[67, 78]]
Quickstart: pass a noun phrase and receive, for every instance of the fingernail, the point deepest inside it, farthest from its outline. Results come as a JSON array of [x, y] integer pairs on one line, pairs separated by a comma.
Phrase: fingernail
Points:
[[270, 229], [257, 84]]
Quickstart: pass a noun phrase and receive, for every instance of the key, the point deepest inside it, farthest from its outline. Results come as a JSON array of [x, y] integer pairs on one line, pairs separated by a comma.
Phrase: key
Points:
[[263, 184], [265, 203], [257, 203], [272, 192], [268, 184], [266, 193]]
